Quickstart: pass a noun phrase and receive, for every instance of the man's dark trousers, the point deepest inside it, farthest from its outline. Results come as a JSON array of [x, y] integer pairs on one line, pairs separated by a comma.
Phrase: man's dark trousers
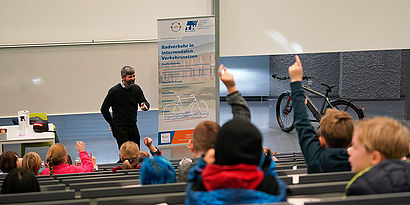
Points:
[[126, 133]]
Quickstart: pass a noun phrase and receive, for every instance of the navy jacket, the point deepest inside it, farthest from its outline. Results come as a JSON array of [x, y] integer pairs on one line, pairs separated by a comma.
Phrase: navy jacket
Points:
[[386, 177], [318, 158]]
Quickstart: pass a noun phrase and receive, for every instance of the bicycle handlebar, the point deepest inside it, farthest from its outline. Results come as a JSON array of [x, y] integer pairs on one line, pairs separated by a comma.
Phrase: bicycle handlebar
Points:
[[286, 78]]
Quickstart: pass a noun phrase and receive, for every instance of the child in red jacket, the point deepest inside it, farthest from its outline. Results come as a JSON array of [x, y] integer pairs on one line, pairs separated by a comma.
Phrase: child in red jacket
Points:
[[57, 160]]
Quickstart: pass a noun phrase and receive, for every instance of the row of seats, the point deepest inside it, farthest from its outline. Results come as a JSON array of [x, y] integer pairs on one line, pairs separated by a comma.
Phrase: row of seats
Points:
[[174, 193], [105, 187]]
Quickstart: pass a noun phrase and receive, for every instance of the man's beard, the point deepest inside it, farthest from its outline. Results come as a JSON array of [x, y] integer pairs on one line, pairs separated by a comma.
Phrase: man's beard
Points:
[[129, 83]]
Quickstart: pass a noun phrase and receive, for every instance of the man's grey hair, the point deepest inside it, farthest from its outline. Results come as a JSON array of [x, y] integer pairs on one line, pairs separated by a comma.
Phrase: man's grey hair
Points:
[[127, 70]]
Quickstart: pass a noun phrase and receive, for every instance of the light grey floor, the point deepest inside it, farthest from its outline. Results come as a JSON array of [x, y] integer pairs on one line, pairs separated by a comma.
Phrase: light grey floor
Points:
[[93, 130]]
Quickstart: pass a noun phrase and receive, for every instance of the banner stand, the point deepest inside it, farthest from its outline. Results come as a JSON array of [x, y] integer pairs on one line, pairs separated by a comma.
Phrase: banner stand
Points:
[[187, 77]]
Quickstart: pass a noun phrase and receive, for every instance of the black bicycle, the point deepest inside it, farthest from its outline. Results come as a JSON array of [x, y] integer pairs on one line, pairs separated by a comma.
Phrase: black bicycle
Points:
[[284, 105]]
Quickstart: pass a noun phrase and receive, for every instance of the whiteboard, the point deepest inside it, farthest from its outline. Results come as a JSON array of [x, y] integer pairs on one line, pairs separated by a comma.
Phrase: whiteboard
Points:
[[56, 21], [265, 27], [76, 78], [72, 79]]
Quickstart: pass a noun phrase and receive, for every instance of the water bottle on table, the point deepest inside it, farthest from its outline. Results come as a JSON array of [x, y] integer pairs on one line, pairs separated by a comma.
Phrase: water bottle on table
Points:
[[23, 116]]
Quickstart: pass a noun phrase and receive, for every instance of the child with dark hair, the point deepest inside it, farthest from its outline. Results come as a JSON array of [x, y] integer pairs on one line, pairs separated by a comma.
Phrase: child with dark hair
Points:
[[57, 160], [157, 170], [131, 155], [20, 181], [236, 171], [8, 161], [32, 162], [325, 151]]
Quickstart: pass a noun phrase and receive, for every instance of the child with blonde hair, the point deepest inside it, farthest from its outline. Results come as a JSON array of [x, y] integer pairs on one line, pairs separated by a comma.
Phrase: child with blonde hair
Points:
[[32, 162], [131, 155], [377, 147], [57, 160]]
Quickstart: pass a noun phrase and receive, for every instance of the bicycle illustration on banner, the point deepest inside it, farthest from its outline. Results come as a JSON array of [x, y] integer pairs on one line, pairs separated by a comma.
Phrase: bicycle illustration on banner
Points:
[[186, 107]]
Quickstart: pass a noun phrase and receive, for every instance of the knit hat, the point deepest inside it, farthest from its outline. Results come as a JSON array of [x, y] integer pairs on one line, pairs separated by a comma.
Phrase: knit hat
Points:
[[157, 170], [237, 142]]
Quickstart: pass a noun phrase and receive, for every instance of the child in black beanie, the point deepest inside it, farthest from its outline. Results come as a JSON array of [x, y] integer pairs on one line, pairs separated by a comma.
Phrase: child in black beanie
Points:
[[231, 174], [238, 142]]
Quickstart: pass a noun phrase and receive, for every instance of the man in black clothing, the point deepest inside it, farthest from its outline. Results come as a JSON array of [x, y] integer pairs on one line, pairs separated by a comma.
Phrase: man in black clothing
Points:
[[124, 99]]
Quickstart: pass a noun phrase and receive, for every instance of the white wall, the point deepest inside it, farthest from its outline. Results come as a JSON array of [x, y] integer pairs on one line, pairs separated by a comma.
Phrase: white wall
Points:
[[49, 21], [265, 27]]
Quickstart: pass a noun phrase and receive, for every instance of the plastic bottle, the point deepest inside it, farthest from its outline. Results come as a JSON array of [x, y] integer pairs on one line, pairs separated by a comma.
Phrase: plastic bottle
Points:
[[23, 116]]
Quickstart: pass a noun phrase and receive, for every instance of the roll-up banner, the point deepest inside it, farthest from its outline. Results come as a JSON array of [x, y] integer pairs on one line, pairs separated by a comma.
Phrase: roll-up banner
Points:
[[186, 66]]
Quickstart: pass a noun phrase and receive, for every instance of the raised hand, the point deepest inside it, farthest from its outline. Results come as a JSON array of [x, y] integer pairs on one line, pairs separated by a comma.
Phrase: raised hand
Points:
[[80, 146], [227, 79], [93, 159], [148, 143], [296, 71]]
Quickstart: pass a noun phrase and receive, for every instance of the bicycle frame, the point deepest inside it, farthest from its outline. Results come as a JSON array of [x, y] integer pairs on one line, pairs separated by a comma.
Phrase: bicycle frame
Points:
[[284, 106], [316, 113], [186, 107]]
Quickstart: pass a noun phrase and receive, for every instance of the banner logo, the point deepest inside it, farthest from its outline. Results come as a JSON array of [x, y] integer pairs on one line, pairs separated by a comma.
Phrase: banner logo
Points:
[[175, 26], [191, 26]]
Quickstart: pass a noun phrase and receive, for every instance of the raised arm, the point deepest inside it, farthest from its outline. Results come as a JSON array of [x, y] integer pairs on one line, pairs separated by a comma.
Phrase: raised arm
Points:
[[87, 164], [154, 151], [308, 140], [238, 104]]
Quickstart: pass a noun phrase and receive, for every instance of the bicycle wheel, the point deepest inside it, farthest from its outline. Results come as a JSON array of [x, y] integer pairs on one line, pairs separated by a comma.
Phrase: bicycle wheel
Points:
[[349, 107], [172, 112], [199, 109], [284, 112], [203, 108]]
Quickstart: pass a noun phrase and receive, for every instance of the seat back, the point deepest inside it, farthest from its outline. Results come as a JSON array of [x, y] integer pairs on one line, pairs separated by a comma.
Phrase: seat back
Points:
[[37, 196], [132, 190], [169, 198], [376, 199]]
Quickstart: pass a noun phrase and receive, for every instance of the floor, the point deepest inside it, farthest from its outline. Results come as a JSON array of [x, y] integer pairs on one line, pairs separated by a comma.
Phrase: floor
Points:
[[93, 130]]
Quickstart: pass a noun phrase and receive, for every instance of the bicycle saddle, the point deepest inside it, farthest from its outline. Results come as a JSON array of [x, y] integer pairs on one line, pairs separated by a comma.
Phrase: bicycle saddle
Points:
[[328, 86]]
